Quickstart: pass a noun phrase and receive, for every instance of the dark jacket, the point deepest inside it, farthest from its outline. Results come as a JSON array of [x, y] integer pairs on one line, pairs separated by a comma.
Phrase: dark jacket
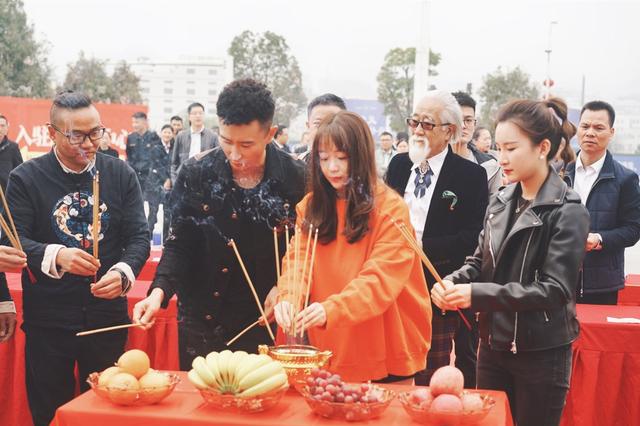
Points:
[[614, 207], [10, 158], [50, 206], [208, 210], [160, 167], [139, 148], [5, 295], [451, 230], [182, 146], [109, 151], [524, 276]]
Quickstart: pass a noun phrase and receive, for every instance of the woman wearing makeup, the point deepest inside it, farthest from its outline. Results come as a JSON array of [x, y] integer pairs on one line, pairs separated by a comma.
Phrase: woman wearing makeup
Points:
[[523, 276], [369, 302]]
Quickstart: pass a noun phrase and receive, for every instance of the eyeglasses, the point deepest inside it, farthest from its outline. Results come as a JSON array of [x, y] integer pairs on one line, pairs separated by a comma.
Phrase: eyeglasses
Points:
[[426, 125], [76, 137], [470, 122]]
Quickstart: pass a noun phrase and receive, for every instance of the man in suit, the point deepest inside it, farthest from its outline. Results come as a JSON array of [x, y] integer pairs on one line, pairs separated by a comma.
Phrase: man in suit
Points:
[[281, 138], [194, 140], [447, 197], [611, 194]]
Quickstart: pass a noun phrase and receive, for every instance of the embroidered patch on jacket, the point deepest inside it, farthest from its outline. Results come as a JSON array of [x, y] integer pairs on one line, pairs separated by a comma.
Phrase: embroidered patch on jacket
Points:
[[72, 218]]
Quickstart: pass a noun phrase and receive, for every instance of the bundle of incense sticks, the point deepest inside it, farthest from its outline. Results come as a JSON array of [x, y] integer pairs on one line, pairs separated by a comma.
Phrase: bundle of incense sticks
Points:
[[95, 224], [11, 232], [298, 280], [408, 235]]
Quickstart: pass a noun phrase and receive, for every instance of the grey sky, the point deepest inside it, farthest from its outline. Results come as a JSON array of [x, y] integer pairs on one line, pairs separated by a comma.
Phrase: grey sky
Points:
[[341, 44]]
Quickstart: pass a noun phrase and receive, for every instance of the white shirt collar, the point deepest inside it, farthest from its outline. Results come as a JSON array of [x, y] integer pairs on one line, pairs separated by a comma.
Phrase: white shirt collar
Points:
[[435, 162], [194, 132], [597, 166], [68, 170]]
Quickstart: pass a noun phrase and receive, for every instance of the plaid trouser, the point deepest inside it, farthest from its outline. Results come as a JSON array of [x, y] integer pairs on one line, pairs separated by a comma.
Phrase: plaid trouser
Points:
[[443, 328]]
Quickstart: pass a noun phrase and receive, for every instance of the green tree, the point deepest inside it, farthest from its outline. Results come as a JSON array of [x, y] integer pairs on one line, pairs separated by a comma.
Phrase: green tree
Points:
[[499, 88], [395, 83], [24, 71], [89, 76], [266, 57], [125, 85]]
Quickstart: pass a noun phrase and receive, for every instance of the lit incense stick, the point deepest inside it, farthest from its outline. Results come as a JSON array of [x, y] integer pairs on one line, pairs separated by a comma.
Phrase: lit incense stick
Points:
[[308, 289], [253, 289], [239, 335]]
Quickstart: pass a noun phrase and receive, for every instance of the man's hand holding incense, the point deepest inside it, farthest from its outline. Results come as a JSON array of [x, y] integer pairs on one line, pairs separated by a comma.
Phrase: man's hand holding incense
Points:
[[108, 287], [77, 262], [11, 259]]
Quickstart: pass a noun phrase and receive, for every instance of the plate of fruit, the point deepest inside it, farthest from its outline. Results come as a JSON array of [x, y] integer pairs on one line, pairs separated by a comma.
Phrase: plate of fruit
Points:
[[330, 397], [132, 382], [445, 402], [239, 381]]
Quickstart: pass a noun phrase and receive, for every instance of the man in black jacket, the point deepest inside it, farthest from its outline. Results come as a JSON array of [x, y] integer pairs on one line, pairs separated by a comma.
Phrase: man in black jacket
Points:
[[611, 194], [159, 185], [447, 197], [10, 156], [241, 191], [51, 200]]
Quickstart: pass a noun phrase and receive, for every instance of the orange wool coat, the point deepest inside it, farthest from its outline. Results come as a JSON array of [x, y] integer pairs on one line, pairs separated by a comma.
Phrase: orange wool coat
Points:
[[374, 293]]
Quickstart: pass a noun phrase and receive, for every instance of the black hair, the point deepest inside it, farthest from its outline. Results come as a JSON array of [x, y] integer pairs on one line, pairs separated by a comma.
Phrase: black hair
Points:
[[70, 100], [599, 106], [2, 117], [386, 134], [464, 99], [167, 126], [176, 118], [139, 115], [540, 120], [246, 100], [192, 106], [402, 136], [281, 128], [326, 99]]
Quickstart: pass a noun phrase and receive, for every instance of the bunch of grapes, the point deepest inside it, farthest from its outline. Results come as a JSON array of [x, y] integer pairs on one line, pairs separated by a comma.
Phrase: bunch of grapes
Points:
[[324, 386]]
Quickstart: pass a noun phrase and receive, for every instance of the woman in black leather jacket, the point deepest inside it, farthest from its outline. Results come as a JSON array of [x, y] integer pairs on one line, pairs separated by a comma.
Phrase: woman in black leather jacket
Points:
[[522, 278]]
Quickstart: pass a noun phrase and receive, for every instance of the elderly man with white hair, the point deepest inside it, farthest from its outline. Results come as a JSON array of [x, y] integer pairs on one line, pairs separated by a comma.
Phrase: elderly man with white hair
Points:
[[447, 198]]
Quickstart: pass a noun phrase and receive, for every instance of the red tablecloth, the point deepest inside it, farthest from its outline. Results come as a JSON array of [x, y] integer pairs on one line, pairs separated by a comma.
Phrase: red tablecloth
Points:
[[630, 294], [185, 407], [160, 343], [605, 382]]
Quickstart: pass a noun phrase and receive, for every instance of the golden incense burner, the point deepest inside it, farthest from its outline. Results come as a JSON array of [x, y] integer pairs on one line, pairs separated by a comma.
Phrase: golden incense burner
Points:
[[297, 360]]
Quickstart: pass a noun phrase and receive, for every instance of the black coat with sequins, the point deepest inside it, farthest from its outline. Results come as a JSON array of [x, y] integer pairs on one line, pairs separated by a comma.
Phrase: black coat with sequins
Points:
[[210, 209]]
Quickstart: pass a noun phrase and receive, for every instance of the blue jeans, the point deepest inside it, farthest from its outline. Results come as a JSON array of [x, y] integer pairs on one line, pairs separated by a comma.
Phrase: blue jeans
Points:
[[536, 382]]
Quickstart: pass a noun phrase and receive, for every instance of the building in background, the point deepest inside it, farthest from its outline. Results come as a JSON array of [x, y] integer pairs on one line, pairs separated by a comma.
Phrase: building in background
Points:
[[168, 87]]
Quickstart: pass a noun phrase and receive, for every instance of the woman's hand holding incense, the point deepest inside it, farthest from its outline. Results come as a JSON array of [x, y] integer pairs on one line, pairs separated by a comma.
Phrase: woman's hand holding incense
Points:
[[313, 316], [269, 305], [283, 312]]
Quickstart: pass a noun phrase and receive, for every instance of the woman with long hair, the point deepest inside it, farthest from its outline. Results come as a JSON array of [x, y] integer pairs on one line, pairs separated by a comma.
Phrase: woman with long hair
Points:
[[369, 300], [523, 276]]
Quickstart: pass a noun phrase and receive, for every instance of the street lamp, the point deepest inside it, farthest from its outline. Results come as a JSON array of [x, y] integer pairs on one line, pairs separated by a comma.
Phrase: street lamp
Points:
[[548, 82]]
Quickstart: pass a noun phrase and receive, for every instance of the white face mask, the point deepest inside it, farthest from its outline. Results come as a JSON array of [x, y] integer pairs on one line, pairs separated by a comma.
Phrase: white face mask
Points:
[[418, 149]]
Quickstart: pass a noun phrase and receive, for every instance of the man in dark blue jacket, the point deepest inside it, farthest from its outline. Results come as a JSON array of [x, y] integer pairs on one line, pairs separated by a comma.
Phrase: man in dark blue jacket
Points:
[[611, 194], [67, 289]]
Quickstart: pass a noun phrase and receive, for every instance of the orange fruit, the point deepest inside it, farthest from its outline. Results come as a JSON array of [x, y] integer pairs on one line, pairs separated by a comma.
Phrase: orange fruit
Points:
[[134, 362]]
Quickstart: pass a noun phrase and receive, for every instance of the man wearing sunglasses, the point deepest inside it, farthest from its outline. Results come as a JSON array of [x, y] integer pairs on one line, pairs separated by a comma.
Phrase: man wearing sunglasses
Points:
[[67, 289], [447, 197]]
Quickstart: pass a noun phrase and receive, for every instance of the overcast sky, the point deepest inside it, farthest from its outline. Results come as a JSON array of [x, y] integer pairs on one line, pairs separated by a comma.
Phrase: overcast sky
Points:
[[341, 44]]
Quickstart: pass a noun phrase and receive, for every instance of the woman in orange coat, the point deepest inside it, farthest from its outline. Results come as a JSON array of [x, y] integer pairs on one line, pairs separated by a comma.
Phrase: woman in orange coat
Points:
[[369, 300]]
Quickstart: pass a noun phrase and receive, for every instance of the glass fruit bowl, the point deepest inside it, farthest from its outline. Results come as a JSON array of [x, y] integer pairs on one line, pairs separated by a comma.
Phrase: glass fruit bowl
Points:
[[142, 396], [353, 411], [437, 418], [253, 404], [297, 360]]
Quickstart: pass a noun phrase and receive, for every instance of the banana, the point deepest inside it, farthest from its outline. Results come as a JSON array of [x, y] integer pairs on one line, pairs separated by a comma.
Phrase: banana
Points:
[[196, 380], [235, 361], [223, 366], [212, 364], [271, 383], [251, 363], [200, 365], [256, 376]]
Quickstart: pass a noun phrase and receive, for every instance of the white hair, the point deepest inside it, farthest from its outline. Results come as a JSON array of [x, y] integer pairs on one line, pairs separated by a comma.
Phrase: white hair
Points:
[[451, 112]]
